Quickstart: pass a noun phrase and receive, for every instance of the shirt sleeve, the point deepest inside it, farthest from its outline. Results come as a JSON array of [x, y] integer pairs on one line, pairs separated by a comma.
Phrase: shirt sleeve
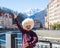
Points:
[[19, 26], [34, 41]]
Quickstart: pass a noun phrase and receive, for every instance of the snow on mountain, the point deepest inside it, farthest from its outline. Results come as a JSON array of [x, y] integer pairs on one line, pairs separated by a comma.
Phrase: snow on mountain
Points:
[[32, 11]]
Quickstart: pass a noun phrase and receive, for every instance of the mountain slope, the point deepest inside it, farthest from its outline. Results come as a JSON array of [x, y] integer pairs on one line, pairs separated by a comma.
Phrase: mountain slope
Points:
[[40, 16]]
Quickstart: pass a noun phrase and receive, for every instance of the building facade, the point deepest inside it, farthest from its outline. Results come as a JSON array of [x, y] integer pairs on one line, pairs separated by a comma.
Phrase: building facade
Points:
[[53, 13], [6, 20], [36, 24]]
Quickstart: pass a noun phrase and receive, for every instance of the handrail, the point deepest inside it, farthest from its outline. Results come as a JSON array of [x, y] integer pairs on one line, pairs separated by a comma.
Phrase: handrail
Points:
[[2, 40]]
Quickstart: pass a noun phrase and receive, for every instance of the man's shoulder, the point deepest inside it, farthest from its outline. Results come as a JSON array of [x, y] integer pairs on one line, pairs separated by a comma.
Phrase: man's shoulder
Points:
[[33, 32]]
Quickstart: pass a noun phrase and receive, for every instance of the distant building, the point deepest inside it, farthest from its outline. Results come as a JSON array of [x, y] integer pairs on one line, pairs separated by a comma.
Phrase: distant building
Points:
[[53, 13], [36, 24], [1, 22], [46, 22], [6, 20]]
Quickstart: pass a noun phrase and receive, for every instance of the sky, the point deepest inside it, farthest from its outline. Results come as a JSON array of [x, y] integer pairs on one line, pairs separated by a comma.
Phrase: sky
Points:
[[24, 5]]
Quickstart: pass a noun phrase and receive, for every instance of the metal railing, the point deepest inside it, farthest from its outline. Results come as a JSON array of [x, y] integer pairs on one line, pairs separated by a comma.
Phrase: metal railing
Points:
[[2, 43], [18, 42]]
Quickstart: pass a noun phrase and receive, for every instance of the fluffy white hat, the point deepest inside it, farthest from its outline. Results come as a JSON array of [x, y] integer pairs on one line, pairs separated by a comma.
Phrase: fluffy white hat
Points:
[[28, 21]]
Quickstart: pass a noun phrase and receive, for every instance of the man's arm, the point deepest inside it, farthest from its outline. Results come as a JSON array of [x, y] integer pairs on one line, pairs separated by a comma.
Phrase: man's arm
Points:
[[17, 23], [34, 41]]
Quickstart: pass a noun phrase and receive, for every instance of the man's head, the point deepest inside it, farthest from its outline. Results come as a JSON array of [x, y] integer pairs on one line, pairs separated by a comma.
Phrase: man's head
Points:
[[28, 24]]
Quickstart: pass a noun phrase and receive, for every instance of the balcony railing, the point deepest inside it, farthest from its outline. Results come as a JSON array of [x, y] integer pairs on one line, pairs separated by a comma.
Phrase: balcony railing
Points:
[[12, 41]]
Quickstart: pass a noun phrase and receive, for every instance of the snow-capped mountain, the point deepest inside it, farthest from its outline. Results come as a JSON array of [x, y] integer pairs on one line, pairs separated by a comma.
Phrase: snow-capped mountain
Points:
[[3, 9], [40, 16], [32, 11]]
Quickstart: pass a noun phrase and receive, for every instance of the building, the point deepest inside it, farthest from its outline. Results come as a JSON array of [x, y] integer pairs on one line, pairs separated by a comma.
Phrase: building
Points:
[[6, 20], [36, 24], [1, 20], [53, 13], [46, 22]]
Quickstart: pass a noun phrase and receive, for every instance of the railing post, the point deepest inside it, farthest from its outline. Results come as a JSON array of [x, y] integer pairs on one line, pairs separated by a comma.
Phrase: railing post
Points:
[[38, 45], [0, 44], [8, 40], [50, 45], [13, 36]]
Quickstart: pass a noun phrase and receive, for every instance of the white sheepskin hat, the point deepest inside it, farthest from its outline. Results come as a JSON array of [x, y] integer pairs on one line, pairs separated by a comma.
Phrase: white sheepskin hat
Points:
[[28, 21]]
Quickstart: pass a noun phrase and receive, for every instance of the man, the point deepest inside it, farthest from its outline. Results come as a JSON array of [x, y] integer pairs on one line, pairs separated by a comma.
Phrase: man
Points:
[[29, 38]]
